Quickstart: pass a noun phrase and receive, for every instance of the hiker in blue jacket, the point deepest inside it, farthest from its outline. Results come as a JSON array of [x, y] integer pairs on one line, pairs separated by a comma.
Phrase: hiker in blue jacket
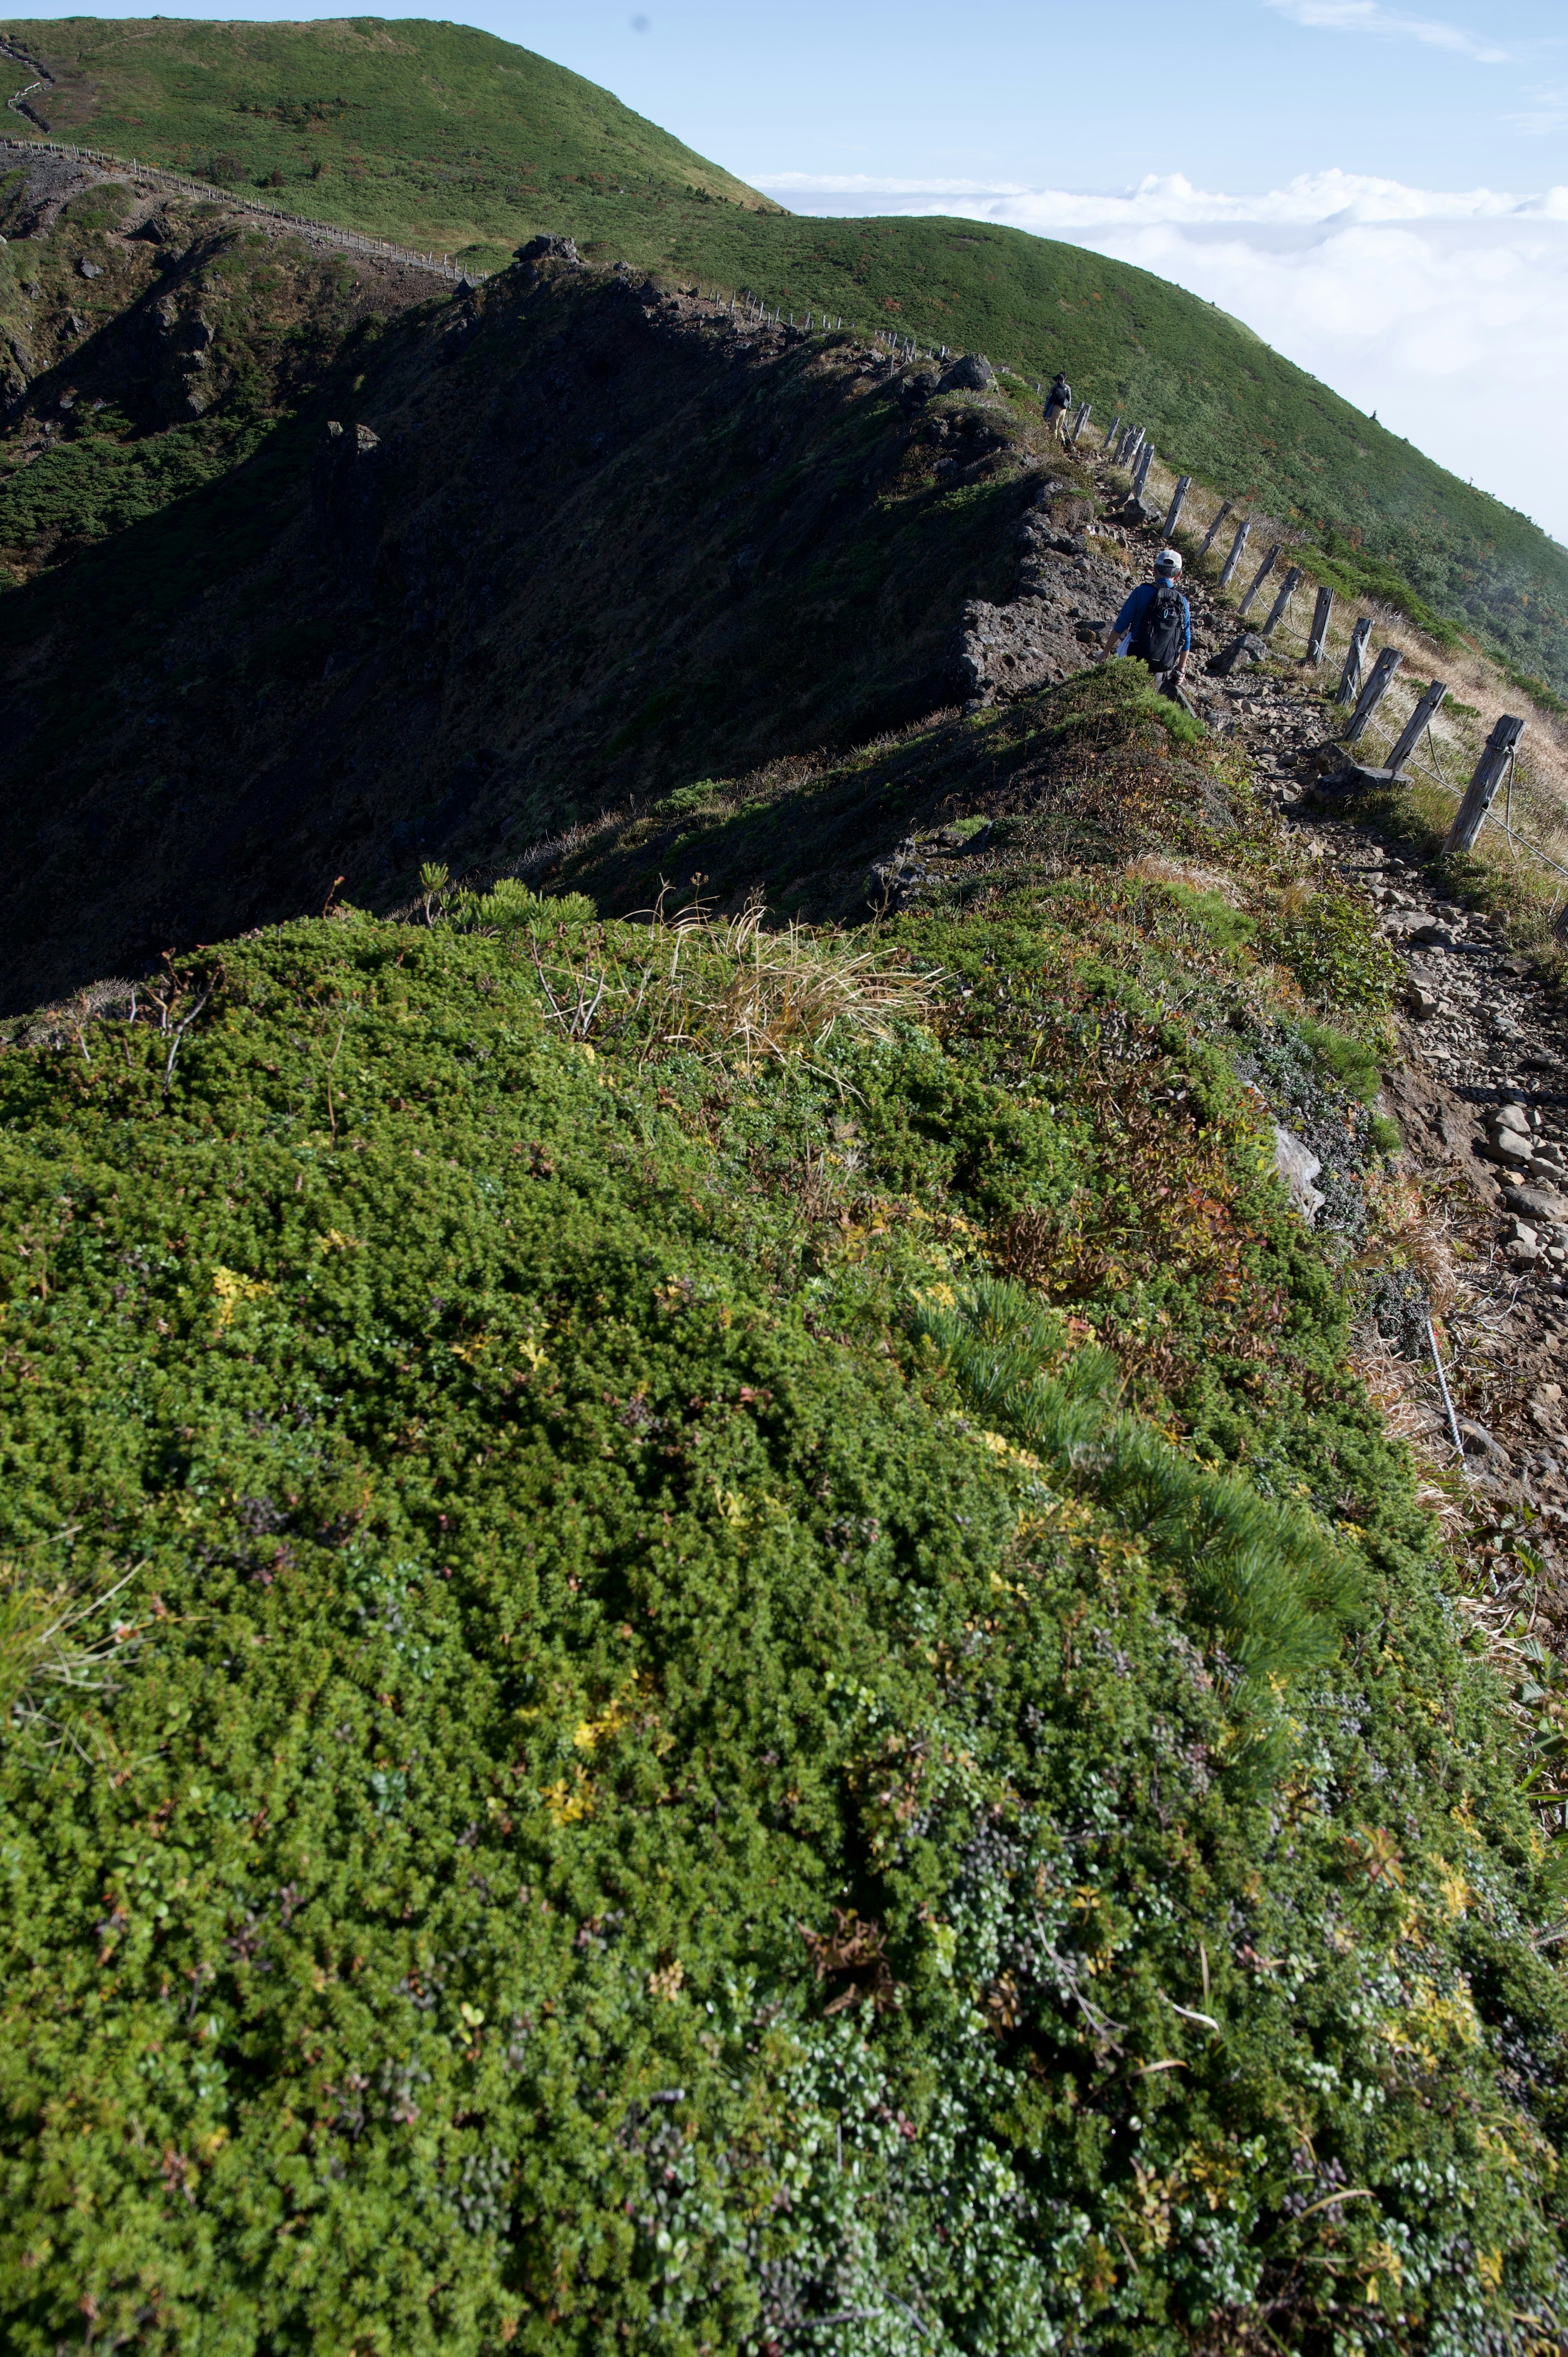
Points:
[[1155, 625]]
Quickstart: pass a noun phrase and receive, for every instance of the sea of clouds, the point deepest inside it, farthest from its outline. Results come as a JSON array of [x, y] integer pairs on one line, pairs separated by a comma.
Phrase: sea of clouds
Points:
[[1445, 311]]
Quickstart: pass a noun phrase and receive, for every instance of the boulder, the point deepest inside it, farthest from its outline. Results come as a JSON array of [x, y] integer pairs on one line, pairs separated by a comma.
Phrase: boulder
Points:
[[548, 247], [1067, 509], [1537, 1203], [972, 373], [1298, 1167], [1242, 653], [1478, 1442], [1339, 774]]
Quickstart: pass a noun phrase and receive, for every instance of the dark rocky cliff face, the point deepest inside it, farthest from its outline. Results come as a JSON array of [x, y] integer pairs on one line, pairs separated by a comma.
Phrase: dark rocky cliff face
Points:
[[562, 543]]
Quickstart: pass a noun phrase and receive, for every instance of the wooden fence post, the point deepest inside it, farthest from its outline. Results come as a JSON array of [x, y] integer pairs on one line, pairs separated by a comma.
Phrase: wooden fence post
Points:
[[1173, 513], [1212, 535], [1111, 431], [1141, 473], [1078, 423], [1243, 532], [1417, 724], [1349, 686], [1259, 578], [1496, 757], [1288, 589], [1317, 638], [1372, 694]]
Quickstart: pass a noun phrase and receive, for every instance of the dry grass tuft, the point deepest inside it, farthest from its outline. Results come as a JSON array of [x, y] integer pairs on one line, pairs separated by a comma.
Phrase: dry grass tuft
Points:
[[54, 1663], [1406, 1231], [728, 989]]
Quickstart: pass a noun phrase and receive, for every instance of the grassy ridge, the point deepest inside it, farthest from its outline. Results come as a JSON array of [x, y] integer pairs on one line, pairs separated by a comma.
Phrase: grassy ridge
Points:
[[441, 136], [678, 1763], [435, 134]]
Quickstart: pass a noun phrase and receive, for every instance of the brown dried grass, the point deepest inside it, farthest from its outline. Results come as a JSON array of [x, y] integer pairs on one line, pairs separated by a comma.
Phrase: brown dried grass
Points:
[[727, 989]]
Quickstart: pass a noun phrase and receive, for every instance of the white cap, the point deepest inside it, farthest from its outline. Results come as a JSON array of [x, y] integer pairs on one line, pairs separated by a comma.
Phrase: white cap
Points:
[[1168, 561]]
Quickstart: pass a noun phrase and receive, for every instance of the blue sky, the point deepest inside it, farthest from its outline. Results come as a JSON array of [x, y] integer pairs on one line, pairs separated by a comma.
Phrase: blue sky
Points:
[[1229, 92], [1380, 191]]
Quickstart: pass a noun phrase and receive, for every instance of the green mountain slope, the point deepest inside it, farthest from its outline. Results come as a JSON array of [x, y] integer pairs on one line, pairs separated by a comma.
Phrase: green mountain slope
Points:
[[442, 136], [434, 134]]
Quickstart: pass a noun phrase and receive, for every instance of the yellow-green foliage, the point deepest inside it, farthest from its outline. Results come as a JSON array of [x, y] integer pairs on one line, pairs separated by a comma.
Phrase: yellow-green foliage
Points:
[[687, 1767]]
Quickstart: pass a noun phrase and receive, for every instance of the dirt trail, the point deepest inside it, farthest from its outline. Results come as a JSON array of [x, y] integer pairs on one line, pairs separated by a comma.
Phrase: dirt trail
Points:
[[1480, 1039], [1480, 1085]]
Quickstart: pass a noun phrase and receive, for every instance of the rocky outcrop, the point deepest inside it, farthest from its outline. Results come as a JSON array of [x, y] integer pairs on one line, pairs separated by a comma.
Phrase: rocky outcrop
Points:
[[972, 373], [1065, 599], [1243, 652]]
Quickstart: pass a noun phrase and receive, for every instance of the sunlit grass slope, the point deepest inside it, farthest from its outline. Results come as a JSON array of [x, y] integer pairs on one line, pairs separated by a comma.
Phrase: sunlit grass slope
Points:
[[427, 132]]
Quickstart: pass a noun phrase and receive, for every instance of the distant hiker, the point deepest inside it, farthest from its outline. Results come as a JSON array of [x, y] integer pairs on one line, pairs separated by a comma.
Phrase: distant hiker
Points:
[[1059, 401], [1155, 625]]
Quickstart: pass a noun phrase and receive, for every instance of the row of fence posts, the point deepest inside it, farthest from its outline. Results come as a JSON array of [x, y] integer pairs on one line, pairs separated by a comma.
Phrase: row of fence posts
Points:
[[1130, 446], [1364, 692], [1132, 449], [754, 307]]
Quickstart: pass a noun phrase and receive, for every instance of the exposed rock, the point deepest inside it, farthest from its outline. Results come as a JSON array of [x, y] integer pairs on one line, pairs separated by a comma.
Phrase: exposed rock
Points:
[[1068, 509], [1006, 650], [1298, 1167], [1242, 653], [89, 269], [548, 247], [895, 880], [972, 373], [1337, 773], [1537, 1203]]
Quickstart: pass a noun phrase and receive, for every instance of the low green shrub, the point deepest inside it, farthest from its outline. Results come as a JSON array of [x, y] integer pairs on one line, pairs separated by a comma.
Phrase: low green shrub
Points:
[[688, 1770]]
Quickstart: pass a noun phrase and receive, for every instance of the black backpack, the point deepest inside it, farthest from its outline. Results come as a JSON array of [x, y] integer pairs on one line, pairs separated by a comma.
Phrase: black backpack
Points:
[[1161, 633]]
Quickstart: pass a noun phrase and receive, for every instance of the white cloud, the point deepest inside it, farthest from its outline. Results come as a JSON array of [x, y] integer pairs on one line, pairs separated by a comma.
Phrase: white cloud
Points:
[[1445, 310], [1369, 16], [1546, 115]]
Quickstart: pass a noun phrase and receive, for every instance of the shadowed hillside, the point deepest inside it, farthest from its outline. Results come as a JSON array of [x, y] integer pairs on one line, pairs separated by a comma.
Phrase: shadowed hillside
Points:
[[441, 137], [568, 542]]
